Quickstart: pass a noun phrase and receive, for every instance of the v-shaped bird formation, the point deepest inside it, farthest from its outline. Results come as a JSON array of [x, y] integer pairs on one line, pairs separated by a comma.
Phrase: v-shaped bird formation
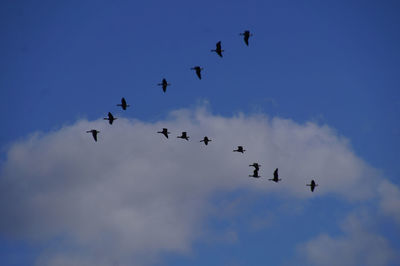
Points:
[[198, 70]]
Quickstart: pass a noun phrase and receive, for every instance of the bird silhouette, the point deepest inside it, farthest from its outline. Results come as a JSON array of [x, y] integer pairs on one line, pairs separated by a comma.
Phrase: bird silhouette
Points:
[[94, 133], [246, 35], [240, 149], [123, 104], [256, 166], [183, 136], [205, 140], [110, 118], [164, 132], [164, 85], [198, 71], [312, 185], [218, 49], [255, 174], [276, 176]]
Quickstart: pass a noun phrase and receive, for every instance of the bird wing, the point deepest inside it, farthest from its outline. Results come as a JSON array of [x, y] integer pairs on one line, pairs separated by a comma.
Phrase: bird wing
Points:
[[276, 173]]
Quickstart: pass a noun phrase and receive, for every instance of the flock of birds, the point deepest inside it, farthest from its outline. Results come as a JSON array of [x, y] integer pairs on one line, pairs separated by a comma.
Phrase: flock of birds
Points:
[[164, 84]]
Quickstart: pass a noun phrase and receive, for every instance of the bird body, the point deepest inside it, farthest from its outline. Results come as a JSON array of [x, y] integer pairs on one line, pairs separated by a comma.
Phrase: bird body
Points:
[[94, 133], [164, 84], [218, 49], [312, 185], [164, 132], [240, 149], [205, 140], [183, 136], [246, 35], [110, 118], [276, 178], [198, 71], [255, 174], [123, 104]]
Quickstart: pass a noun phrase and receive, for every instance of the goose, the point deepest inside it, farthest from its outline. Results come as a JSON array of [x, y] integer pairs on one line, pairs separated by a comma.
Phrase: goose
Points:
[[246, 35], [218, 49], [205, 140], [164, 132], [183, 136], [198, 71], [312, 185], [240, 149], [275, 179], [164, 85], [110, 118], [94, 133], [123, 104]]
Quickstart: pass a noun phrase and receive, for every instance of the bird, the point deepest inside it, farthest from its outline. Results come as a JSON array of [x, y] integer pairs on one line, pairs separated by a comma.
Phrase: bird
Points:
[[110, 118], [240, 149], [198, 70], [246, 35], [94, 133], [275, 179], [164, 132], [183, 136], [123, 104], [164, 85], [205, 140], [255, 174], [218, 49], [256, 166], [312, 185]]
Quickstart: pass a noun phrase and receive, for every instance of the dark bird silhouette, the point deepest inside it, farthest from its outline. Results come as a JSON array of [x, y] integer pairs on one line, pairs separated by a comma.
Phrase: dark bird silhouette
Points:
[[218, 49], [240, 149], [256, 166], [312, 185], [255, 174], [276, 176], [164, 132], [164, 85], [110, 118], [183, 136], [205, 140], [123, 104], [246, 35], [94, 133], [198, 70]]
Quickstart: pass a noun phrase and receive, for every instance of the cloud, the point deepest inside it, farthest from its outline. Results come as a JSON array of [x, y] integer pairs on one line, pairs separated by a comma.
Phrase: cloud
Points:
[[357, 246], [134, 194], [390, 200]]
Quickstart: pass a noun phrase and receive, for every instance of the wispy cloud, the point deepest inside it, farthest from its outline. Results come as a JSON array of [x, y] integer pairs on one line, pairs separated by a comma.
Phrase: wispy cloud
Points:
[[134, 194]]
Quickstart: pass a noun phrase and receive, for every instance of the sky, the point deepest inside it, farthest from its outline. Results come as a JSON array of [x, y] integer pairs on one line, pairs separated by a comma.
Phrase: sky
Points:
[[315, 94]]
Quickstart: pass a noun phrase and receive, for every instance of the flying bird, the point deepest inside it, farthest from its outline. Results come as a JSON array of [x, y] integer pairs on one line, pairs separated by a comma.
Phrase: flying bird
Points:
[[183, 136], [276, 176], [110, 118], [205, 140], [94, 133], [256, 166], [218, 49], [240, 149], [123, 104], [246, 35], [164, 132], [164, 85], [312, 185], [198, 70], [255, 174]]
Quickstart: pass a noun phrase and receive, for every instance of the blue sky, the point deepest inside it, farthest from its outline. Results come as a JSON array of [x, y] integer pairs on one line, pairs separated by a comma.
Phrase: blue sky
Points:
[[333, 63]]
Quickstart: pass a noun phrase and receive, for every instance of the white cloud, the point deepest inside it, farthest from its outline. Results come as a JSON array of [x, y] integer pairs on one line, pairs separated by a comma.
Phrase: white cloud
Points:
[[358, 246], [390, 200], [135, 194]]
